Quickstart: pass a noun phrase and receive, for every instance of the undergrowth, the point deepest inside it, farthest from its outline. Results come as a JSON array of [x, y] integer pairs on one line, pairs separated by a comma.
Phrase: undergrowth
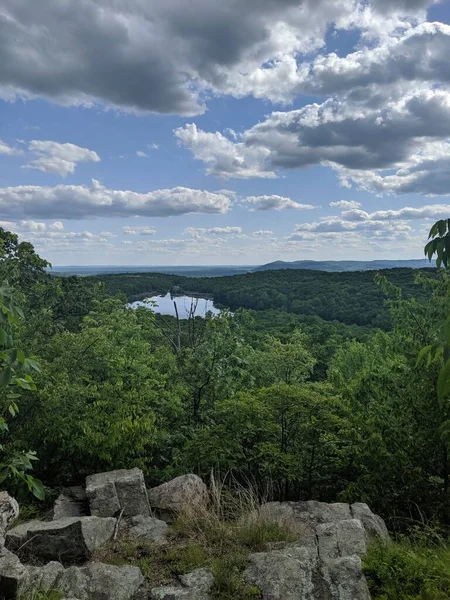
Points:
[[220, 538], [408, 569]]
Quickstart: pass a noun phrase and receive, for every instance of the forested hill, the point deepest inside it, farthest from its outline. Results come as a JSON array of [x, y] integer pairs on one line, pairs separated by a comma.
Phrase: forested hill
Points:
[[348, 297], [345, 265]]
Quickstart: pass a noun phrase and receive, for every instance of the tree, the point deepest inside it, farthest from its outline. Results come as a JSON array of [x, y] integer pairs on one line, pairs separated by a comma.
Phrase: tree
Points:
[[15, 376]]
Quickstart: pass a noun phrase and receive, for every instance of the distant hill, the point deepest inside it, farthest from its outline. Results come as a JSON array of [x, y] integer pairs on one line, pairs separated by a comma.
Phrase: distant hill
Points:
[[346, 265], [188, 271]]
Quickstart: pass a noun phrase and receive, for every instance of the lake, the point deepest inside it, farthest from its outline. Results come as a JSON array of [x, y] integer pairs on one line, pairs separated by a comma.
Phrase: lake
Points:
[[164, 305]]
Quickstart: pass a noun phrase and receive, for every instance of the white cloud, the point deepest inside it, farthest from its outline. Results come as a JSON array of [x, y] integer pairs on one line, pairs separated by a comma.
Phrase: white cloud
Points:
[[163, 56], [224, 157], [431, 211], [153, 146], [200, 231], [141, 154], [362, 141], [141, 230], [345, 204], [80, 202], [274, 202], [9, 150], [61, 159], [262, 233]]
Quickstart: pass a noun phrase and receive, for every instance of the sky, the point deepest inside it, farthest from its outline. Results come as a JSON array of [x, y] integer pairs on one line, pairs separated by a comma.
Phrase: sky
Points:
[[142, 132]]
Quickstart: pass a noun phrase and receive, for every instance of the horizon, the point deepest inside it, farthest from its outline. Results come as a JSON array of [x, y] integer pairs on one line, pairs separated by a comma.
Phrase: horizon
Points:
[[312, 130]]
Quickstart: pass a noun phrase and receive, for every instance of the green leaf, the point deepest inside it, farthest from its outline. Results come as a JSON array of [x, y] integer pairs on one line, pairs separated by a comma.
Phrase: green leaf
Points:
[[5, 377], [443, 383], [37, 488], [425, 350]]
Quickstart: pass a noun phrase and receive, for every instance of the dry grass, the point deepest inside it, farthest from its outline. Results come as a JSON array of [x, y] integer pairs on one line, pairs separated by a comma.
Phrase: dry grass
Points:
[[220, 537]]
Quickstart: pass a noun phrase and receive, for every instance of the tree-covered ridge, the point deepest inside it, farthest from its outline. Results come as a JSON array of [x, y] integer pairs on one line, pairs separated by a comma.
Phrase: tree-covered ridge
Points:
[[351, 298]]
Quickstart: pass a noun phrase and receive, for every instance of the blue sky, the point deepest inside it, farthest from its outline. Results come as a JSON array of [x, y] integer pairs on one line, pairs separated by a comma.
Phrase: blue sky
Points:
[[165, 134]]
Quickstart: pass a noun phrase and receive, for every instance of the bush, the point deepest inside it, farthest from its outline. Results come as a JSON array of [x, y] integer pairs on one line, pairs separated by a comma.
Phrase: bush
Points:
[[408, 570]]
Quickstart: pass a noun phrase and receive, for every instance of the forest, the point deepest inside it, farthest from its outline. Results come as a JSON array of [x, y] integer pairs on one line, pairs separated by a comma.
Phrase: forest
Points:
[[326, 386]]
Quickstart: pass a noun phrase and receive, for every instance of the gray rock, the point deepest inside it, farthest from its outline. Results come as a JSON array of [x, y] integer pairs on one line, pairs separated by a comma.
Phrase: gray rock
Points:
[[11, 574], [41, 578], [373, 524], [179, 494], [98, 581], [346, 579], [69, 540], [72, 502], [193, 586], [148, 529], [9, 511], [342, 538], [109, 493], [287, 574]]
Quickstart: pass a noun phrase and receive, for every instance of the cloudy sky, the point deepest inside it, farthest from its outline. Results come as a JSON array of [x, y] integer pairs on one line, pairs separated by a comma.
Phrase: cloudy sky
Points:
[[211, 132]]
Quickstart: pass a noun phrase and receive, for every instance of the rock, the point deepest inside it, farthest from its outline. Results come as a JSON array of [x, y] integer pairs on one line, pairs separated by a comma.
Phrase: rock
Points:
[[98, 581], [9, 511], [324, 564], [148, 529], [109, 493], [69, 540], [342, 538], [178, 495], [11, 574], [346, 579], [287, 574], [72, 502], [373, 524], [41, 578], [193, 586]]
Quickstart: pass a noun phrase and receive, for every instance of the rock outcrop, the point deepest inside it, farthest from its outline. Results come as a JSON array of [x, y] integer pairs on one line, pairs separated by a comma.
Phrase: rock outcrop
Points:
[[9, 511], [116, 491], [178, 495], [72, 502], [193, 586], [323, 564], [70, 540]]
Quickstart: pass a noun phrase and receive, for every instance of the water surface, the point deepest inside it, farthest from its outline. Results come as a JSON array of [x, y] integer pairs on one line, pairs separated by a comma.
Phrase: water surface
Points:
[[165, 305]]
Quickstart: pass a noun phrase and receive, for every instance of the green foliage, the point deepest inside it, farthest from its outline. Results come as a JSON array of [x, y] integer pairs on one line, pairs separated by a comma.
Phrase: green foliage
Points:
[[406, 570], [15, 376], [439, 243]]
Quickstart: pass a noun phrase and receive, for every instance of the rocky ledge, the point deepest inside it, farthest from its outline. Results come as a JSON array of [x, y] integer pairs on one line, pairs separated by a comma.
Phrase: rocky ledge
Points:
[[323, 564]]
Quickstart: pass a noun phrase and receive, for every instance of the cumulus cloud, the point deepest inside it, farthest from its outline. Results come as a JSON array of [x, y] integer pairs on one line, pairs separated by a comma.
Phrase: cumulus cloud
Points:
[[431, 211], [61, 159], [141, 154], [200, 231], [224, 157], [141, 230], [236, 47], [80, 202], [262, 233], [345, 204], [9, 150], [407, 134], [274, 202]]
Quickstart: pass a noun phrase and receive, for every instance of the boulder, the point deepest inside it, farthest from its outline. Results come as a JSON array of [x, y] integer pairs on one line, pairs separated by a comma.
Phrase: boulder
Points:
[[179, 494], [193, 586], [324, 564], [11, 574], [287, 574], [9, 511], [110, 493], [373, 524], [69, 540], [148, 529], [41, 578], [72, 502], [97, 581]]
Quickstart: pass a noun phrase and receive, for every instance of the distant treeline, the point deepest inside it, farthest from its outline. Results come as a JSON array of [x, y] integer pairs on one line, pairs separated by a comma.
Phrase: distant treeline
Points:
[[349, 297]]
